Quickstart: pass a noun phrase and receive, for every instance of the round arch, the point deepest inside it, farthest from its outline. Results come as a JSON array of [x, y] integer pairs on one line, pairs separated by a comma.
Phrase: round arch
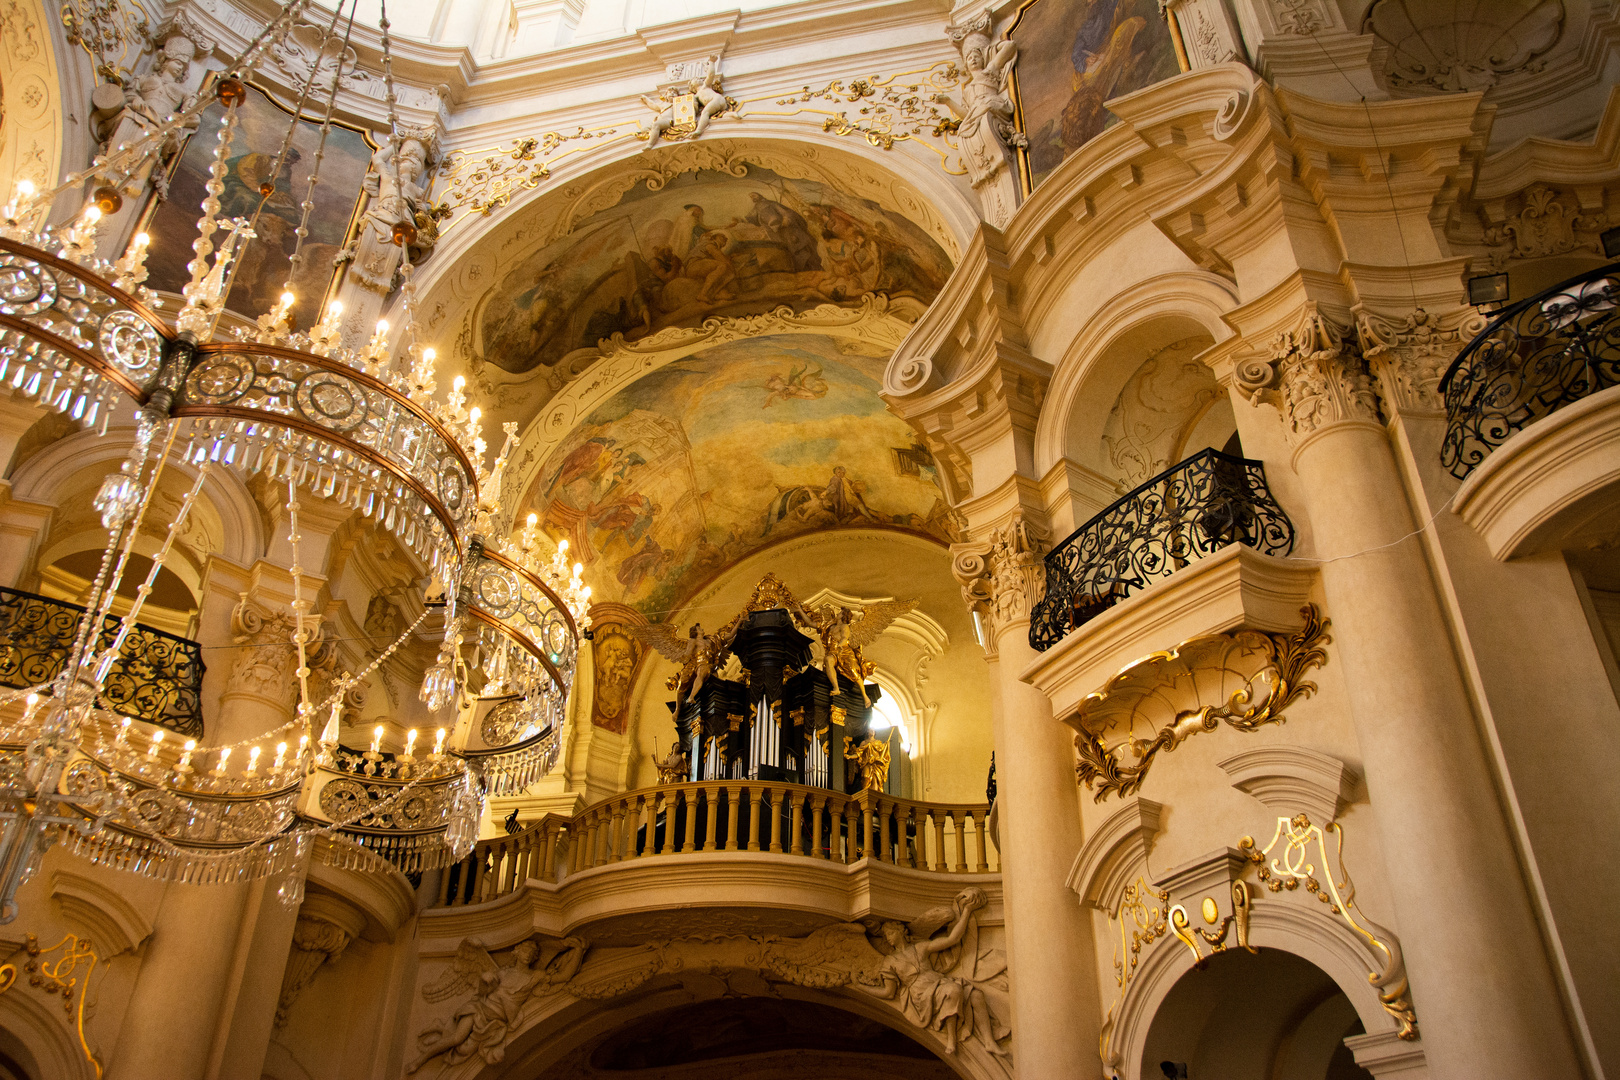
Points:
[[1325, 942], [37, 1038], [1105, 353], [564, 1029]]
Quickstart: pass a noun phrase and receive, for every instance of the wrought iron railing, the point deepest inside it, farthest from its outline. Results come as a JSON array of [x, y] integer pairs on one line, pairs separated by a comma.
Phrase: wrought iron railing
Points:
[[1188, 511], [157, 676], [1535, 357]]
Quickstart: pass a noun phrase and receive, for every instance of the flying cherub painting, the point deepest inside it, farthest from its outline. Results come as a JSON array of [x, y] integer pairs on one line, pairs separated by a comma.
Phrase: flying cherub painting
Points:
[[804, 381], [1073, 56]]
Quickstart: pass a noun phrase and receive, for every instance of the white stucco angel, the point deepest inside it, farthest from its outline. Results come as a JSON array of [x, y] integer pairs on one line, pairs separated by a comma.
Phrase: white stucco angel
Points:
[[983, 104], [482, 1025], [947, 984], [163, 91], [711, 102], [844, 633]]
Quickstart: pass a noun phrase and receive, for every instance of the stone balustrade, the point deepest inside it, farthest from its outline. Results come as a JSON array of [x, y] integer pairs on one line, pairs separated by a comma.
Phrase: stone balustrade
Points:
[[696, 819]]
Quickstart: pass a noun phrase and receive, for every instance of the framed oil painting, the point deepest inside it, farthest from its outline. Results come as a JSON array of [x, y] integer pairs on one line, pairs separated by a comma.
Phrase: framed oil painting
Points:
[[262, 124], [1073, 55]]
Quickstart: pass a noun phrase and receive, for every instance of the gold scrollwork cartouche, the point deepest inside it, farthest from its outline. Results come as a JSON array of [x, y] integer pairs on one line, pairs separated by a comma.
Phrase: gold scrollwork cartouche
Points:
[[1261, 674]]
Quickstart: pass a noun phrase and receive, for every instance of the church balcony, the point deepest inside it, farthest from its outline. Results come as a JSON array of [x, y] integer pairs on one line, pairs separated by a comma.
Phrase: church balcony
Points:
[[1532, 408], [751, 831], [1186, 513], [157, 677]]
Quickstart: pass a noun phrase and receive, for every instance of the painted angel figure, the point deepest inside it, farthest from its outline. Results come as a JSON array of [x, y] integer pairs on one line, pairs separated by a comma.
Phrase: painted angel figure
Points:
[[482, 1024], [698, 654], [944, 983], [843, 635]]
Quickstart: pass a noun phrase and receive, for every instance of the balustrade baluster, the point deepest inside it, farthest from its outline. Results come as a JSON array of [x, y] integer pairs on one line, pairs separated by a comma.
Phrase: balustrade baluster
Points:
[[689, 799], [444, 883], [591, 828], [797, 846], [852, 835], [669, 799], [548, 852], [818, 807], [648, 814], [881, 809], [937, 863], [776, 819], [961, 843], [711, 816], [615, 829], [756, 821], [980, 838], [910, 835], [733, 793], [507, 861]]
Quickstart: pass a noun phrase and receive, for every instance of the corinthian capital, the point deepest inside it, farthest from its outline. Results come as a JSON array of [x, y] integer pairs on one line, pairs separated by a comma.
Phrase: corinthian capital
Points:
[[1409, 355], [1314, 373], [1003, 577]]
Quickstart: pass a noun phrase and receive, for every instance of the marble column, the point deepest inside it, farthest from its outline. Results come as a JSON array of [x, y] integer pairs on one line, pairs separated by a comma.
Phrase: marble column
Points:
[[1049, 941], [1485, 995]]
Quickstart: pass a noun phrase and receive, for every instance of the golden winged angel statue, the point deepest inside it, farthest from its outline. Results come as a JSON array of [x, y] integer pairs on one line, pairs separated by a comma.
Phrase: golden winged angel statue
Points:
[[699, 654], [844, 633]]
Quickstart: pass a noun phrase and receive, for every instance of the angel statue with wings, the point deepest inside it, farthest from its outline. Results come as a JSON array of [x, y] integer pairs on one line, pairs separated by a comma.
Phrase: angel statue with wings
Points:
[[844, 634], [946, 984], [699, 655], [482, 1024]]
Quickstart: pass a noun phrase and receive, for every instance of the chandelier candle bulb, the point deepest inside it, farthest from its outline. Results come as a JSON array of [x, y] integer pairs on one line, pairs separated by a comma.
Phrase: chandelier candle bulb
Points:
[[281, 756], [185, 756], [224, 761], [438, 742], [157, 741], [410, 743], [376, 738], [253, 762], [123, 731]]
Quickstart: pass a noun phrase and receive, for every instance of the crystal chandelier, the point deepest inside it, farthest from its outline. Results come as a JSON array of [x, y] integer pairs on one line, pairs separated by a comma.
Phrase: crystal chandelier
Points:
[[359, 427]]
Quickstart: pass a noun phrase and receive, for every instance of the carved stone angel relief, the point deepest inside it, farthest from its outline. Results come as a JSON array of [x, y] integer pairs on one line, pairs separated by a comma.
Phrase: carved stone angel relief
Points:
[[935, 970], [482, 1024]]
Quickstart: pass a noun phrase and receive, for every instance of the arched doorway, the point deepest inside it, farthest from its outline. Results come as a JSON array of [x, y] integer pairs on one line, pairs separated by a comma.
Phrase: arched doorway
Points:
[[758, 1038], [1269, 1015]]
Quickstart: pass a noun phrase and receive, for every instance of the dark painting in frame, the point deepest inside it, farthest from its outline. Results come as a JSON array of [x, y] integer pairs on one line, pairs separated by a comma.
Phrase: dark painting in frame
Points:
[[261, 273], [1073, 55]]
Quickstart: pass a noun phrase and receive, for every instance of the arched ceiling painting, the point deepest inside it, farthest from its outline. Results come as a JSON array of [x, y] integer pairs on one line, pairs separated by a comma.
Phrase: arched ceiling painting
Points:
[[715, 455], [702, 244]]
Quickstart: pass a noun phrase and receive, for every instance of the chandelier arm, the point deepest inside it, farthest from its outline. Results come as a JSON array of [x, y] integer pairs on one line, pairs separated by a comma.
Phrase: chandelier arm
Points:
[[73, 269], [296, 262], [249, 348], [523, 640]]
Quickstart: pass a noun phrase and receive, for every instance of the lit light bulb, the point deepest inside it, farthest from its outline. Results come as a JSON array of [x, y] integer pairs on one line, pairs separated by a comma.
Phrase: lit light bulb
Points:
[[585, 594], [253, 761], [457, 383], [281, 755], [142, 240], [185, 757], [382, 327], [534, 519], [474, 414], [92, 214], [429, 355], [123, 731], [26, 189], [376, 738], [438, 741], [157, 740], [410, 743], [303, 745], [224, 760], [562, 547], [334, 309], [579, 568]]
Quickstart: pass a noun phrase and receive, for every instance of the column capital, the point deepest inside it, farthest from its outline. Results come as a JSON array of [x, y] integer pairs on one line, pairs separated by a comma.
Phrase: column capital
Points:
[[1408, 352], [1003, 576], [1314, 372]]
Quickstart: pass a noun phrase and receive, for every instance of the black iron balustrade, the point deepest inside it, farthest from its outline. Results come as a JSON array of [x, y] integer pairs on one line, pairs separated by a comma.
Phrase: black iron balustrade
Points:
[[1535, 357], [157, 676], [1190, 510]]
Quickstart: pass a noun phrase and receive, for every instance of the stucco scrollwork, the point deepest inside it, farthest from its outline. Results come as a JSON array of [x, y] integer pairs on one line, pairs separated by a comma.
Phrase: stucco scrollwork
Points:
[[1410, 355], [315, 942], [1547, 223], [1244, 679], [1314, 373], [1443, 45]]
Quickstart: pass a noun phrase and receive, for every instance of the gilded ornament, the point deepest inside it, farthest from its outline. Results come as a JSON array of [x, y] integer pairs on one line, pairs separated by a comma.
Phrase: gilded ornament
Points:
[[1257, 674]]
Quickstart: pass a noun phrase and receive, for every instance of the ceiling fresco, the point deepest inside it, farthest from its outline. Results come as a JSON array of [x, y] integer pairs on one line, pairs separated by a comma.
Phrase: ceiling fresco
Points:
[[701, 244], [713, 456]]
